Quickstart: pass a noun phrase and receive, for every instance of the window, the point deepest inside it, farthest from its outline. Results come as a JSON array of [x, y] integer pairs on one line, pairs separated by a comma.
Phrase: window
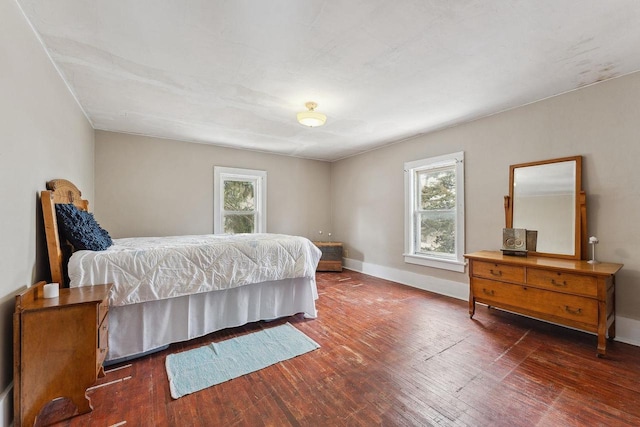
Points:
[[434, 212], [240, 201]]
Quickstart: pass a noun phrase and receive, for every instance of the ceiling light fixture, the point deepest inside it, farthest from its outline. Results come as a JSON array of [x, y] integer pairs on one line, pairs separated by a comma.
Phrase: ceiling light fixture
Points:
[[311, 118]]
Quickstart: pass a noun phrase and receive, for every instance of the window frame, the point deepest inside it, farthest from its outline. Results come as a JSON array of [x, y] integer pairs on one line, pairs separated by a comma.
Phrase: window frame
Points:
[[456, 262], [259, 178]]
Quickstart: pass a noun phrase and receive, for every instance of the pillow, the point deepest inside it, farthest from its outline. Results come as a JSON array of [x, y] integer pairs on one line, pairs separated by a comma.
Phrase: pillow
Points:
[[81, 229]]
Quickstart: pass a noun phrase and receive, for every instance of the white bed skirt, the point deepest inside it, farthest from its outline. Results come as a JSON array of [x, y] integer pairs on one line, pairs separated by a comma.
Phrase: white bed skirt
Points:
[[140, 328]]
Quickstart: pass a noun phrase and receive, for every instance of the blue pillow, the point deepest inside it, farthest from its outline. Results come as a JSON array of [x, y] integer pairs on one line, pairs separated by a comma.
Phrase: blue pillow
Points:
[[81, 229]]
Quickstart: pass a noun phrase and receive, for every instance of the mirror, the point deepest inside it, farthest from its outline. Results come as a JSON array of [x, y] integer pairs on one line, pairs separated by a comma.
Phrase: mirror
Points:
[[546, 196]]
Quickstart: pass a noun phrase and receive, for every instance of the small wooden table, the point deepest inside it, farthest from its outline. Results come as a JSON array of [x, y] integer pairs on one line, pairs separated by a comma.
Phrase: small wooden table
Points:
[[59, 346], [331, 256]]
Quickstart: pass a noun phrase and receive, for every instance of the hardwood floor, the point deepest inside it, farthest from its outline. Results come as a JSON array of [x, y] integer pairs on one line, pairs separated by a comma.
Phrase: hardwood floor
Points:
[[392, 355]]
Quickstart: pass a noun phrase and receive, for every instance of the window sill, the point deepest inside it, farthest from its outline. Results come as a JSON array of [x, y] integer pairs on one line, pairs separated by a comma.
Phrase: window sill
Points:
[[444, 264]]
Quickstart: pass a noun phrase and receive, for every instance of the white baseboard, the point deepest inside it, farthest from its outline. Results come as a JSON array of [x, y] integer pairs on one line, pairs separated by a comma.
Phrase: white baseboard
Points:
[[627, 330], [6, 406], [428, 283]]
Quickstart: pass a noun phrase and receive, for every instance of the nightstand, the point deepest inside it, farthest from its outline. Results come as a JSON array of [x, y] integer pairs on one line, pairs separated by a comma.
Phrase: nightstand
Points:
[[331, 256], [59, 346]]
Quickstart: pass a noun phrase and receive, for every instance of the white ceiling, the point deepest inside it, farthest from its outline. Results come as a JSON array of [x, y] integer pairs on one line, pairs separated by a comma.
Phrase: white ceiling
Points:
[[236, 72]]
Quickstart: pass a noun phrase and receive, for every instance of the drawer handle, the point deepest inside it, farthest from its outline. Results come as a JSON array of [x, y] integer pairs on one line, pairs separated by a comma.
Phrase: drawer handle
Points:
[[497, 274], [561, 285], [488, 292], [571, 311]]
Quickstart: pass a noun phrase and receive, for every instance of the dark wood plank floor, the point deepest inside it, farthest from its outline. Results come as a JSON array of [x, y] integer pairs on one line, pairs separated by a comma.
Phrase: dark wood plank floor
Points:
[[395, 356]]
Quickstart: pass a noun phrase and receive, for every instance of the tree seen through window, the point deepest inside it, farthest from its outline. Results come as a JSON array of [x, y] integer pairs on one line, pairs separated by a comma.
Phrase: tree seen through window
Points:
[[239, 207], [437, 210]]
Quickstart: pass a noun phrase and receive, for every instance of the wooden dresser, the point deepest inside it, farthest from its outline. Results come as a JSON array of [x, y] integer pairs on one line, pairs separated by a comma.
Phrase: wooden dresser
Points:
[[331, 256], [567, 292], [59, 347]]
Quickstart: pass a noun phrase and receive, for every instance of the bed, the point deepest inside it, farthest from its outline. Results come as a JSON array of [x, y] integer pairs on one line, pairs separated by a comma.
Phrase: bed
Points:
[[158, 298]]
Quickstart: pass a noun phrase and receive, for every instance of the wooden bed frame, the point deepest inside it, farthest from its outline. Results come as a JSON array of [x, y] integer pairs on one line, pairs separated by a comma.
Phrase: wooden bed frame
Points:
[[59, 191], [173, 318]]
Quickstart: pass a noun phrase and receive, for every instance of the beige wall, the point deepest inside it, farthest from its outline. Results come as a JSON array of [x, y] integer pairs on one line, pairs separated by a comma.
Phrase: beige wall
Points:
[[151, 187], [43, 135], [599, 122]]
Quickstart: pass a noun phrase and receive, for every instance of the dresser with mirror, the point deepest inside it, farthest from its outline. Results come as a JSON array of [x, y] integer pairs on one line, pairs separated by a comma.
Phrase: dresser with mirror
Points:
[[554, 282]]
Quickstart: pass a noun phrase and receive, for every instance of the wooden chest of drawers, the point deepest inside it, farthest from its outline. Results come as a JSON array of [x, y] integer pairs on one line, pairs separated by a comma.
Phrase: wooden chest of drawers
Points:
[[566, 292], [59, 347], [331, 256]]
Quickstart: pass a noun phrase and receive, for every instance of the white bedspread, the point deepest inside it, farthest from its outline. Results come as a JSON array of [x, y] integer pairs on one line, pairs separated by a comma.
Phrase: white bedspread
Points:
[[153, 268]]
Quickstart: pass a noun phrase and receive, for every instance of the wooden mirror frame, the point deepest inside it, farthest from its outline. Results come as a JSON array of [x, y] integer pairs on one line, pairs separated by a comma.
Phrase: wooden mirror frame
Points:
[[581, 241]]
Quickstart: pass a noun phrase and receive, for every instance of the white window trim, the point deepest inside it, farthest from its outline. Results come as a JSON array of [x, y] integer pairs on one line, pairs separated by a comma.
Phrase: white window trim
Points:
[[222, 174], [456, 263]]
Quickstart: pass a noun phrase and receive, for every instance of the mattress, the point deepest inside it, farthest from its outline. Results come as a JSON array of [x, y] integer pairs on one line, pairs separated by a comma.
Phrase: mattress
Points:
[[156, 268]]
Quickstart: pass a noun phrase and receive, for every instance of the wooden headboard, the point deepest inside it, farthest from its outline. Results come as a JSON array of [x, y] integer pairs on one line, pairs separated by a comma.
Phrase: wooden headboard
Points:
[[59, 191]]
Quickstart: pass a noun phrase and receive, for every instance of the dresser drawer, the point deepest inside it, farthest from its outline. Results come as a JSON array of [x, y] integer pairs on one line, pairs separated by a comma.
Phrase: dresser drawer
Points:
[[331, 253], [572, 307], [494, 293], [565, 282], [495, 271]]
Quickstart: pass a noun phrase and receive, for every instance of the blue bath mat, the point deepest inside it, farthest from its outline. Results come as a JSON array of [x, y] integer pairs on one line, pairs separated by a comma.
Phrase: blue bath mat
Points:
[[203, 367]]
